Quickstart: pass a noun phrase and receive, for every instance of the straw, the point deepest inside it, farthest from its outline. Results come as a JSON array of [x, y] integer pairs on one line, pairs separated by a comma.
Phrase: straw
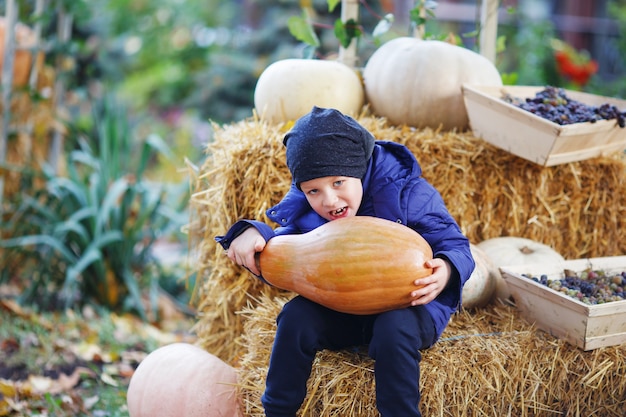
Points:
[[489, 362], [578, 208]]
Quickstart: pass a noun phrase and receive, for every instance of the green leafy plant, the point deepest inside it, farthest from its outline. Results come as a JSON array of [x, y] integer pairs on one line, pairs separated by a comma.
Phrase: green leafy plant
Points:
[[303, 27], [423, 10], [87, 236]]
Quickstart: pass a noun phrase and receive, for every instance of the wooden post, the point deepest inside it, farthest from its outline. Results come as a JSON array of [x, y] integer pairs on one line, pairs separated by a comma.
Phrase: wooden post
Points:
[[64, 31], [349, 10], [34, 72], [7, 81], [488, 29]]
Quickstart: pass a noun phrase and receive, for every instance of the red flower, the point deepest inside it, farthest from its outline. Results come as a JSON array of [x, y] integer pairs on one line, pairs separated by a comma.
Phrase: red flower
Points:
[[579, 73], [573, 65]]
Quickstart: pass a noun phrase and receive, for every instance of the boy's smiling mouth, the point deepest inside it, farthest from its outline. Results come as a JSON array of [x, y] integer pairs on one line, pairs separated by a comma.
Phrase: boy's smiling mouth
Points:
[[339, 212]]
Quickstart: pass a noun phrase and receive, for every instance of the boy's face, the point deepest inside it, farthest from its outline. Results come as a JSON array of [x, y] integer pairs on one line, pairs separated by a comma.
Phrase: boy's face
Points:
[[333, 197]]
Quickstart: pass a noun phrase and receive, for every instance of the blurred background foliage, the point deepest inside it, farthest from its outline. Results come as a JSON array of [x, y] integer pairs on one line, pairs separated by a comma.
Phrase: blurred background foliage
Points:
[[183, 63], [176, 67]]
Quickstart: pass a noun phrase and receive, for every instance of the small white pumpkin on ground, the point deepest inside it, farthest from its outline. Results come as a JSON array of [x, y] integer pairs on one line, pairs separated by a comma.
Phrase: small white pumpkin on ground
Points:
[[418, 82], [289, 88], [183, 380], [479, 289], [514, 251]]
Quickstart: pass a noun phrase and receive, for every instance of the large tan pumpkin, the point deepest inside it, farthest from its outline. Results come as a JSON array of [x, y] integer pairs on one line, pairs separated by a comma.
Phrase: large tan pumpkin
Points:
[[357, 265], [479, 289], [514, 251], [288, 89], [183, 380], [418, 82], [23, 60]]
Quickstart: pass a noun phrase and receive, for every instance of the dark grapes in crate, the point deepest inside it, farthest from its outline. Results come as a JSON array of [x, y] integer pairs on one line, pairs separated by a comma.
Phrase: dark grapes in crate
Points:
[[590, 287], [553, 104]]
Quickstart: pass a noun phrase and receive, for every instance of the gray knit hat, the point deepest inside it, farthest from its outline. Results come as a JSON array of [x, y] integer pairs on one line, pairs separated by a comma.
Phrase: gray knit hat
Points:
[[325, 143]]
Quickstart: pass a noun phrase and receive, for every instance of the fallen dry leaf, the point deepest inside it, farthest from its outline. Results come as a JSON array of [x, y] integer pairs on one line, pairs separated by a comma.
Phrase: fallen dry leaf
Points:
[[43, 385]]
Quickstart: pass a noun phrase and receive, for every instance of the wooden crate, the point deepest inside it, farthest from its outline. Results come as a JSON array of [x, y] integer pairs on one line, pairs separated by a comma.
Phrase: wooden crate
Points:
[[585, 326], [534, 138]]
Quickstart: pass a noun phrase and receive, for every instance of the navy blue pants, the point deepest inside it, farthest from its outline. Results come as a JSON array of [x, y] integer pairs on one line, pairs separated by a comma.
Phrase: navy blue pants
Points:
[[394, 339]]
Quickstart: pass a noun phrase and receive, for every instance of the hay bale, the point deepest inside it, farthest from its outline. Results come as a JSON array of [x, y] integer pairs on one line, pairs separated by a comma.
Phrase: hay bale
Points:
[[244, 176], [488, 362], [577, 208]]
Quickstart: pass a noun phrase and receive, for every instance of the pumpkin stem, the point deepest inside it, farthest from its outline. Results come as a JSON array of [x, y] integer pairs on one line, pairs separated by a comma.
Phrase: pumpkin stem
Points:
[[419, 31], [526, 250]]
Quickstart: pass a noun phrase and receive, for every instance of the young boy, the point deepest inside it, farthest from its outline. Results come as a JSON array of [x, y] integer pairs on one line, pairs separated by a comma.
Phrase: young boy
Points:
[[339, 170]]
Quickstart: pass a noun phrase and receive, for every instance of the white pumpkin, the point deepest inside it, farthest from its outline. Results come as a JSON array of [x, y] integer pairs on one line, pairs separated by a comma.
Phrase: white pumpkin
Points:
[[419, 82], [183, 380], [288, 89], [479, 289], [514, 251]]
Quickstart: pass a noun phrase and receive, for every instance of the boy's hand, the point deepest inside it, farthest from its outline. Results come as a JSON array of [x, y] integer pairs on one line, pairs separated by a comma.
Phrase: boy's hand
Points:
[[434, 284], [243, 248]]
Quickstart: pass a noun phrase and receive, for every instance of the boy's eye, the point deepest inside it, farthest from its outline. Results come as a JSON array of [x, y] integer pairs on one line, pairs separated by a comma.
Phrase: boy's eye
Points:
[[338, 183]]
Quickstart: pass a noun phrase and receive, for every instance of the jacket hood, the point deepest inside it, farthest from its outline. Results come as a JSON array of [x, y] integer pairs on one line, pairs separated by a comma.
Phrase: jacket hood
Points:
[[388, 170]]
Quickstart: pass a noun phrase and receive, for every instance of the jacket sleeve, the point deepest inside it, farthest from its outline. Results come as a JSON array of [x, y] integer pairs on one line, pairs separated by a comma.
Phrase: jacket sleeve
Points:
[[447, 241], [434, 222], [239, 227]]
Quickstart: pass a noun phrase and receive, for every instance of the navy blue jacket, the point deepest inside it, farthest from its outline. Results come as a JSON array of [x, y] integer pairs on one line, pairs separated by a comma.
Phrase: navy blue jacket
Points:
[[393, 189]]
